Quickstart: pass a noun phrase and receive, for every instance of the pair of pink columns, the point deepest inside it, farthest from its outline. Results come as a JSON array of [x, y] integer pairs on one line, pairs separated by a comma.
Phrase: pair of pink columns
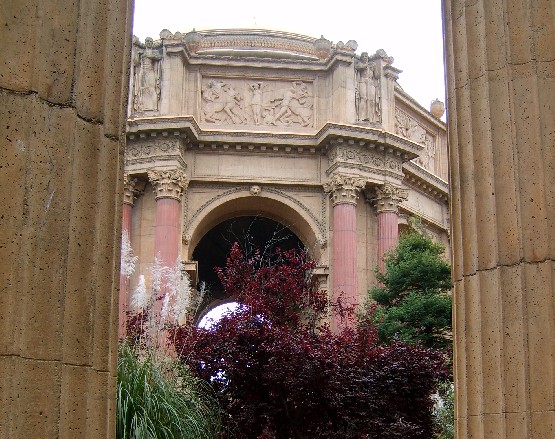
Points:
[[344, 190], [168, 187]]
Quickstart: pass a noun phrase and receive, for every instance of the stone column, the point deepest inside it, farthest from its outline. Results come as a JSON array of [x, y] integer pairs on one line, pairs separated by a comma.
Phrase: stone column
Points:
[[168, 188], [344, 190], [387, 202], [129, 193], [501, 111], [63, 82]]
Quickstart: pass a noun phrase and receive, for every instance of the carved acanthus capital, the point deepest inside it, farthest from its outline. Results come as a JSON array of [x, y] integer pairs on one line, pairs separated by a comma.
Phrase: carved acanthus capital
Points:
[[388, 198], [130, 190], [344, 189], [168, 183]]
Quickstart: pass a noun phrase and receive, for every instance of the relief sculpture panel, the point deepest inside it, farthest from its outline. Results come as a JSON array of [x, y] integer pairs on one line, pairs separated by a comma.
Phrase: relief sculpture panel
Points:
[[407, 127], [253, 102]]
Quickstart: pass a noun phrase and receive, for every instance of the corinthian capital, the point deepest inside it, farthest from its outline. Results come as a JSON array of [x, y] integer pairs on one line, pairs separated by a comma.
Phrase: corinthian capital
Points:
[[388, 197], [129, 189], [168, 183], [344, 189]]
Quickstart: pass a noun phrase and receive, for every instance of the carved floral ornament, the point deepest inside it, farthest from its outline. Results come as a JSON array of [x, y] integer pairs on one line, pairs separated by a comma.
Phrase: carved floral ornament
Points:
[[388, 197], [168, 183], [344, 189], [129, 189]]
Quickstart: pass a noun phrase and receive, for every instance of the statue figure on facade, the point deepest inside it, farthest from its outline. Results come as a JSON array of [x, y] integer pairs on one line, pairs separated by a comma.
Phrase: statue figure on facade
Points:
[[256, 102], [366, 92], [146, 77]]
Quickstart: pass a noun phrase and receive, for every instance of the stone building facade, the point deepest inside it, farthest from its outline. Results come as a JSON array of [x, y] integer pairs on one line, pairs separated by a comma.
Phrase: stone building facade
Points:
[[232, 123]]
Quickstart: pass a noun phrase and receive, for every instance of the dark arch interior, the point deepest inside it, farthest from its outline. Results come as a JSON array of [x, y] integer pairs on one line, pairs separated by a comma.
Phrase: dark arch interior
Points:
[[252, 233]]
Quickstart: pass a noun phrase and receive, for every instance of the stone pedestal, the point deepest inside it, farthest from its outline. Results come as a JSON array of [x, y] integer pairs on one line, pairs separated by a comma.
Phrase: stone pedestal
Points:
[[344, 190], [387, 202], [501, 102]]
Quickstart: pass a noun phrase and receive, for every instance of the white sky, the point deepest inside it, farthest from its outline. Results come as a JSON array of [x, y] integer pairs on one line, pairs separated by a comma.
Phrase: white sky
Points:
[[408, 30]]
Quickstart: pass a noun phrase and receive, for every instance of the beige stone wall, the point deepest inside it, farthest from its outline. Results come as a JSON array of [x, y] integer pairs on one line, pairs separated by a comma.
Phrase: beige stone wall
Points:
[[62, 83], [501, 92]]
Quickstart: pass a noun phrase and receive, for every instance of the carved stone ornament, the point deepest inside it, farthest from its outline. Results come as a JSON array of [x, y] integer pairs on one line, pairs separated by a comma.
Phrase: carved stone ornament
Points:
[[270, 103], [255, 190], [168, 184], [129, 189], [407, 127], [146, 76], [388, 198], [344, 189]]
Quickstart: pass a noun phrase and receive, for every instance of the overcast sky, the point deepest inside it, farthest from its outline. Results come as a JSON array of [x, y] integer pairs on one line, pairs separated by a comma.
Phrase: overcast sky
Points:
[[408, 30]]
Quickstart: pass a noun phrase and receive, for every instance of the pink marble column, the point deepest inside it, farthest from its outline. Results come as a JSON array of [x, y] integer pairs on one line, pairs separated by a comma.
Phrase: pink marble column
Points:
[[129, 193], [168, 188], [387, 202], [344, 191]]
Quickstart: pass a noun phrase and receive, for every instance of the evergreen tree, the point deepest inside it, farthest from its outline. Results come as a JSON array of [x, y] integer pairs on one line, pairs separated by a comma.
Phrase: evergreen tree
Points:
[[414, 304]]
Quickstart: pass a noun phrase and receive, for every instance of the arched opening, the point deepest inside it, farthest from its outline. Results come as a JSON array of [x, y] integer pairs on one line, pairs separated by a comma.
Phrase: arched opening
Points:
[[252, 233]]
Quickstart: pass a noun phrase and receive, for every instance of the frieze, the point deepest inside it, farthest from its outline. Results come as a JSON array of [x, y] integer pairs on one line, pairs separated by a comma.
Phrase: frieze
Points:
[[148, 151], [370, 159], [409, 128], [257, 102]]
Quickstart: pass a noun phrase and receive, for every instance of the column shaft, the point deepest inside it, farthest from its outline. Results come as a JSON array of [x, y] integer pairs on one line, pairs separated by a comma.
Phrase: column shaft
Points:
[[166, 236], [501, 101], [388, 234], [345, 252], [124, 280]]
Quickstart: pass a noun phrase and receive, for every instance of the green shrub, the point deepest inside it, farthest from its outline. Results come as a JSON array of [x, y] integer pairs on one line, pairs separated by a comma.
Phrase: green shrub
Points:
[[159, 398]]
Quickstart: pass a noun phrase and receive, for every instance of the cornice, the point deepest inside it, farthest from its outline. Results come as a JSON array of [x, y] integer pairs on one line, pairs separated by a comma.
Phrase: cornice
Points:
[[325, 137], [425, 182]]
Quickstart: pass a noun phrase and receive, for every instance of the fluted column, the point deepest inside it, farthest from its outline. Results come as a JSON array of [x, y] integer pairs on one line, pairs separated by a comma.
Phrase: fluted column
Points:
[[501, 107], [168, 189], [387, 202], [344, 191], [129, 193]]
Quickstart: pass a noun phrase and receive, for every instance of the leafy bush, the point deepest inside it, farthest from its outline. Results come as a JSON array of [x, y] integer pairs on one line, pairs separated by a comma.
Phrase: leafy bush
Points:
[[280, 372], [444, 411], [159, 398], [414, 304]]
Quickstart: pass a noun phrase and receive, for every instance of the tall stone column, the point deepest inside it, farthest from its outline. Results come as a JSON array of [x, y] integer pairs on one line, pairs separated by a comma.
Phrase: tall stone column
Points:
[[129, 193], [63, 82], [501, 102], [387, 202], [344, 190], [168, 188]]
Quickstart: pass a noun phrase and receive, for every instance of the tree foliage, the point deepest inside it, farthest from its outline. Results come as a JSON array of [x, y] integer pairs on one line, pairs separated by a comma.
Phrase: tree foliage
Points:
[[414, 304], [280, 372]]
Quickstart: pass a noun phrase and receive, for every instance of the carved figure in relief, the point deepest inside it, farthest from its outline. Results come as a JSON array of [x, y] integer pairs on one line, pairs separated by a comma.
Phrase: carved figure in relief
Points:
[[256, 102], [220, 97], [366, 93], [295, 101], [147, 72]]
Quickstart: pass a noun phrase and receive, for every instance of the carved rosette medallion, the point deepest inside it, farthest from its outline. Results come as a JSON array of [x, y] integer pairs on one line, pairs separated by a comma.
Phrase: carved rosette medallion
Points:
[[344, 189], [388, 198], [129, 189], [169, 183]]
